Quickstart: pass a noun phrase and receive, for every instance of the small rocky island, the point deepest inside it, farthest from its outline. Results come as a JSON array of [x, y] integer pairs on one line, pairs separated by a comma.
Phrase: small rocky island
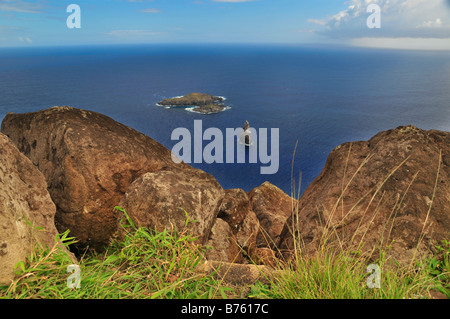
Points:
[[202, 103]]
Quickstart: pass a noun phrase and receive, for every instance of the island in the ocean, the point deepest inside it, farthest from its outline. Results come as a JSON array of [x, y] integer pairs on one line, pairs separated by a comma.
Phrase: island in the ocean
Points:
[[201, 103]]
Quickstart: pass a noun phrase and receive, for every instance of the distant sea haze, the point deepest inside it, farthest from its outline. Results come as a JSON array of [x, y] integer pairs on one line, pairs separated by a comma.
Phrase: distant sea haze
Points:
[[317, 97]]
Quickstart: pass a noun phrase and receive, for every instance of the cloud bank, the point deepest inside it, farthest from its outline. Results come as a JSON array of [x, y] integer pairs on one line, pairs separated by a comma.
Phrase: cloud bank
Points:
[[400, 19]]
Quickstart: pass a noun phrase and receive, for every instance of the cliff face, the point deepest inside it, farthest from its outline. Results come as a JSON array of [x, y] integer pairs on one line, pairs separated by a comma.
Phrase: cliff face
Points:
[[391, 191]]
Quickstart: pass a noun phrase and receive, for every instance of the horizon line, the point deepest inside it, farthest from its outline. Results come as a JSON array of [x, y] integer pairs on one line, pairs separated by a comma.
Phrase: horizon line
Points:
[[352, 45]]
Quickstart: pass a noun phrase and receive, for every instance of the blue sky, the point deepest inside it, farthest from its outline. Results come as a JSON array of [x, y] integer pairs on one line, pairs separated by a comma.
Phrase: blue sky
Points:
[[409, 24]]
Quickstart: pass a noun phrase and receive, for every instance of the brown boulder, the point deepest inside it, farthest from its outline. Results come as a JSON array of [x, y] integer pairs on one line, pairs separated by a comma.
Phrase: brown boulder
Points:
[[238, 274], [23, 198], [236, 211], [390, 191], [272, 207], [265, 256], [88, 160], [160, 200], [223, 243]]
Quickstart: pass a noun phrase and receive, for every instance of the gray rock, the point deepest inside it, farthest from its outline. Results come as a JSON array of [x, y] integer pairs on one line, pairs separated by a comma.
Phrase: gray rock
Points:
[[246, 136]]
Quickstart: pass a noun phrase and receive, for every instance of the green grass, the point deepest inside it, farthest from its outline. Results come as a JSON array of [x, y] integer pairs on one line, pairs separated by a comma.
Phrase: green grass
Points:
[[150, 264], [144, 264], [328, 275]]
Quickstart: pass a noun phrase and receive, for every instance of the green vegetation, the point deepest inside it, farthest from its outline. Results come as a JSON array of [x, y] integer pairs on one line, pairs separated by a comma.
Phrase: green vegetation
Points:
[[150, 264], [328, 275], [145, 264]]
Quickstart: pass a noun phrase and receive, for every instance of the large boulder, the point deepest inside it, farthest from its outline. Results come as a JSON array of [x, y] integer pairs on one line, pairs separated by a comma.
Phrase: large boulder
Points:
[[223, 244], [88, 160], [233, 236], [272, 207], [24, 199], [391, 191], [173, 198], [236, 211]]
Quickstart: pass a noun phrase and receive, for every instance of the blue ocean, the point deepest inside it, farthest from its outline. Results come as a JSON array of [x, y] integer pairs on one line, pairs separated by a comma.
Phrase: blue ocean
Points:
[[318, 97]]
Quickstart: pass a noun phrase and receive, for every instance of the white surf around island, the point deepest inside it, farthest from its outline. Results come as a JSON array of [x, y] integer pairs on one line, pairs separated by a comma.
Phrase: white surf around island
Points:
[[170, 106], [163, 106]]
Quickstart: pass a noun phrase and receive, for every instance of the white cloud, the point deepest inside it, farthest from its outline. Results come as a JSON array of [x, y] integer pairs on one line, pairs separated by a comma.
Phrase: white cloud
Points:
[[9, 29], [150, 10], [402, 43], [402, 21], [318, 21], [431, 24], [399, 18], [20, 6], [25, 39]]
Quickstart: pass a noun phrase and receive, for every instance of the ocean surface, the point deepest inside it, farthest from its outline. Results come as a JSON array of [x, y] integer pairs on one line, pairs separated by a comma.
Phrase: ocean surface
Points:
[[317, 97]]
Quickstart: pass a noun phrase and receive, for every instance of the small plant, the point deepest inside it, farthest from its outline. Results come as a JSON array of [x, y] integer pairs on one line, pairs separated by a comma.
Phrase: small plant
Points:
[[438, 267]]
